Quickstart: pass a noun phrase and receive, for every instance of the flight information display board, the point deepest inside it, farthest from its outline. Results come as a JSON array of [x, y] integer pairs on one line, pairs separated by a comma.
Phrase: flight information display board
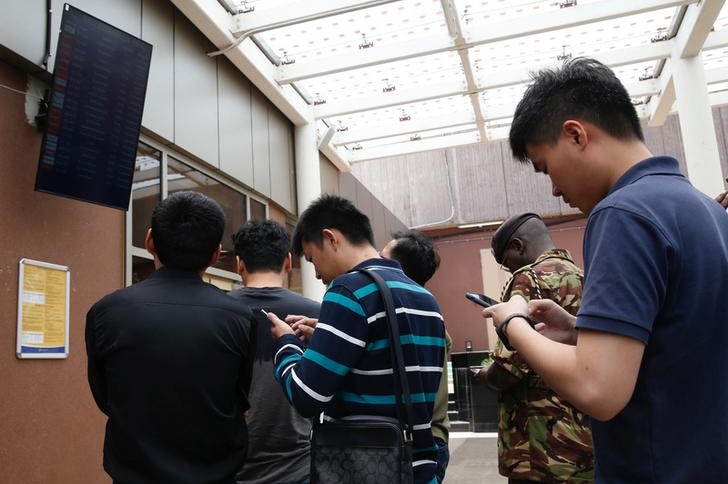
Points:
[[95, 111]]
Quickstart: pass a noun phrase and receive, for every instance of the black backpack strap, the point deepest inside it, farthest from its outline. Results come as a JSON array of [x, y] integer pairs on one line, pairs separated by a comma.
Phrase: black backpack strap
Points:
[[401, 383]]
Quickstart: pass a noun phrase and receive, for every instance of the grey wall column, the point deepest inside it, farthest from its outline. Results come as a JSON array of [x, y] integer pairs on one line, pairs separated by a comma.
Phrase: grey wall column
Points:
[[696, 123], [308, 187]]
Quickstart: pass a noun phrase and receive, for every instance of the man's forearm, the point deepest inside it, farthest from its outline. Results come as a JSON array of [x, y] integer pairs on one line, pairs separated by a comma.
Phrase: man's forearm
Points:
[[597, 375]]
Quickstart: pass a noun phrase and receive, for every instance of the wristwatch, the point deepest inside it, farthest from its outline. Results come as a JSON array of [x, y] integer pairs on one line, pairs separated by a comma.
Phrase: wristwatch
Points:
[[503, 326]]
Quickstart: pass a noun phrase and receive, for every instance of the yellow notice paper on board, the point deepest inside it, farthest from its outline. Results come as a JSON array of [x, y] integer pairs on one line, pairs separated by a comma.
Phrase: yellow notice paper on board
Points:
[[43, 308]]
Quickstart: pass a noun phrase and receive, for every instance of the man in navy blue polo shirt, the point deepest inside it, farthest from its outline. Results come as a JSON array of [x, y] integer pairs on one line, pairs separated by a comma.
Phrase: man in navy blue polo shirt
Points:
[[647, 354]]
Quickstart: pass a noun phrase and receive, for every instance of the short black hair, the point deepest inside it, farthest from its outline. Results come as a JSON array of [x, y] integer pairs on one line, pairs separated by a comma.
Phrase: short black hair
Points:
[[506, 232], [582, 89], [187, 228], [416, 253], [331, 212], [262, 245]]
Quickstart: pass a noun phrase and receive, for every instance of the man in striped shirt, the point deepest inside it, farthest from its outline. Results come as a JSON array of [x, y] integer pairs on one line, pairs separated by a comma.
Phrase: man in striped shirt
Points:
[[346, 370]]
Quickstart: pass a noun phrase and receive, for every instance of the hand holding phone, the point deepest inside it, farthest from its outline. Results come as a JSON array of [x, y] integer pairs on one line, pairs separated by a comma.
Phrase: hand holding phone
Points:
[[481, 299]]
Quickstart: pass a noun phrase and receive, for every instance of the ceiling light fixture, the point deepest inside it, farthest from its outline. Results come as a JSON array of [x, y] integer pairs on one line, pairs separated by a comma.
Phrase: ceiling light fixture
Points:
[[365, 44], [660, 35], [564, 56], [388, 86], [647, 74], [285, 60]]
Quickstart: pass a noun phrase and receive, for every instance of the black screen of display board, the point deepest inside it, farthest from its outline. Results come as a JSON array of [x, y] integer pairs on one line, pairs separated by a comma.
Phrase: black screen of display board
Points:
[[95, 112]]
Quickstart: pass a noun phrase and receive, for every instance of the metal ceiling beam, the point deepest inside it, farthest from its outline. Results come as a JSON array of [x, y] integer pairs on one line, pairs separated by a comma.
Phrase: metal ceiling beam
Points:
[[455, 29], [536, 24], [661, 105], [691, 37], [403, 127], [696, 26]]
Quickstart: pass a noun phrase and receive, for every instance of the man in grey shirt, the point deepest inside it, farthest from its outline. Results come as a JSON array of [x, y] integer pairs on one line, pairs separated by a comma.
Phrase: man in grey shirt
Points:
[[278, 437]]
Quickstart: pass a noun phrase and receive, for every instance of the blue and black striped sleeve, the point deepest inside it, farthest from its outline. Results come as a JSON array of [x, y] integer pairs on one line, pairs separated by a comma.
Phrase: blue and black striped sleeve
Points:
[[311, 378]]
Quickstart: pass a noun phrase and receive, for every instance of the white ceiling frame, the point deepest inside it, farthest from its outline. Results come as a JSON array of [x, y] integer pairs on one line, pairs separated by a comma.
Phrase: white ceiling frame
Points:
[[536, 24], [417, 146], [691, 37], [661, 105], [695, 27], [455, 29], [404, 127]]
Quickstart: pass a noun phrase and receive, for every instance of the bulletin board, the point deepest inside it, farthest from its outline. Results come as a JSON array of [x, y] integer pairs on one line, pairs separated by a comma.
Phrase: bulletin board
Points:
[[43, 310]]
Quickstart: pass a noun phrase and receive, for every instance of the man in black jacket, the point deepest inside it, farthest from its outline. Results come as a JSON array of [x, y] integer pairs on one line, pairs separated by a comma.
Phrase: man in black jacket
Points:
[[170, 358]]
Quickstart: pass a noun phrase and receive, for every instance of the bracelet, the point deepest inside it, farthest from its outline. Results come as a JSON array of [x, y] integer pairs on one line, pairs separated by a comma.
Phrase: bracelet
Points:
[[503, 326]]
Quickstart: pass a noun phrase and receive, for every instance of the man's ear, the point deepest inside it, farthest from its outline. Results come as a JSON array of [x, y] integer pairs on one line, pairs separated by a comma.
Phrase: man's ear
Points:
[[240, 265], [518, 246], [215, 256], [288, 264], [575, 132], [331, 236], [149, 243]]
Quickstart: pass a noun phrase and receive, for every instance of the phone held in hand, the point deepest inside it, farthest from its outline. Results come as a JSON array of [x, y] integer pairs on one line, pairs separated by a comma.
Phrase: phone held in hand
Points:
[[481, 299]]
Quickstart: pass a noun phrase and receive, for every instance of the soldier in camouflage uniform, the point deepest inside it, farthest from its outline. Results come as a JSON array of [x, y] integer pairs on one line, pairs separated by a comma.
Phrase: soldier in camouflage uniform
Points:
[[541, 438]]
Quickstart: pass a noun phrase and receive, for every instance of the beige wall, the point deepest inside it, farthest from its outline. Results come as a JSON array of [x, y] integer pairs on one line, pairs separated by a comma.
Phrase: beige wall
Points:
[[50, 428]]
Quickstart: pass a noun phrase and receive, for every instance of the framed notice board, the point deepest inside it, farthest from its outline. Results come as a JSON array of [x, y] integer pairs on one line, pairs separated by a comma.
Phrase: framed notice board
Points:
[[43, 309]]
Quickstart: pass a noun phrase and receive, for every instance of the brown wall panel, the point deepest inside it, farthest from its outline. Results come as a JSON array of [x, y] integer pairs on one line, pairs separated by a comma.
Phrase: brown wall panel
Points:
[[50, 429]]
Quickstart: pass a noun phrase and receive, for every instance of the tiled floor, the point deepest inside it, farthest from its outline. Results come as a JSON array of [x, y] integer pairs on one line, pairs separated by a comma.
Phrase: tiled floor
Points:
[[473, 459]]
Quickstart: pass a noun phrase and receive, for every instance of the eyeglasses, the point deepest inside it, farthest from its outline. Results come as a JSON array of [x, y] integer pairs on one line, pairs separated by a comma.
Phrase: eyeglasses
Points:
[[503, 266]]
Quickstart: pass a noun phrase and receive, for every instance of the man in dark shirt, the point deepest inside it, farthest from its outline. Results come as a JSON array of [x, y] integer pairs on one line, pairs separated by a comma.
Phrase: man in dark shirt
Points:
[[278, 437], [170, 358]]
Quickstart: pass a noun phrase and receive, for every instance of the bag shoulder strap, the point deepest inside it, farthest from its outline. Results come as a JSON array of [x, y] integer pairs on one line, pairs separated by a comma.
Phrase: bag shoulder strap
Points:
[[401, 383]]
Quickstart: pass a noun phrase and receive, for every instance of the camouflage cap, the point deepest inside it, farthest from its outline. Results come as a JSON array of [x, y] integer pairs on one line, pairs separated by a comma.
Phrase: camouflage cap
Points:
[[504, 234]]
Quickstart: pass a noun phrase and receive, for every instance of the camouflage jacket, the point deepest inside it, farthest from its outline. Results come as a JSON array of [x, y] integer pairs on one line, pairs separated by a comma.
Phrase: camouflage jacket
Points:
[[540, 436]]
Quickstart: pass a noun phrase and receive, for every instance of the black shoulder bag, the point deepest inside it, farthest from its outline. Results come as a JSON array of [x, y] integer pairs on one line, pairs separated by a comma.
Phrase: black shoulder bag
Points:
[[363, 449]]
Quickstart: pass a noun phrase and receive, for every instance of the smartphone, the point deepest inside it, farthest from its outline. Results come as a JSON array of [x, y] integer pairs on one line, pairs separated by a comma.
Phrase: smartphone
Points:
[[481, 299]]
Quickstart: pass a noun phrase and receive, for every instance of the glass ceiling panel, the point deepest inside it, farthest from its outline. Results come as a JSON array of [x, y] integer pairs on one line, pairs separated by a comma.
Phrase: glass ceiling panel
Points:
[[715, 58], [385, 78], [413, 138], [417, 111], [484, 12], [584, 40], [350, 32], [718, 87], [721, 23]]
